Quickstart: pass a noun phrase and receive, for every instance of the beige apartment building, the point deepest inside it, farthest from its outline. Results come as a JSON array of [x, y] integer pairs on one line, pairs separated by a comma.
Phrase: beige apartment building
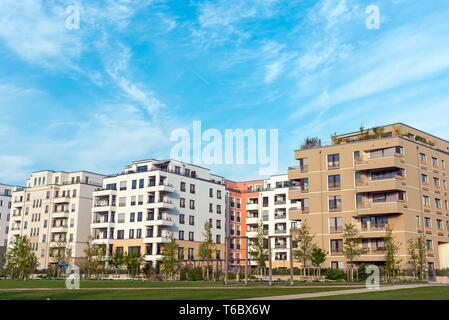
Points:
[[390, 177], [54, 209]]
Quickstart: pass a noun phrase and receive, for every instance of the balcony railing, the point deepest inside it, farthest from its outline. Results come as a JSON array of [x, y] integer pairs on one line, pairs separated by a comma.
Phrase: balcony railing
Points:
[[280, 231]]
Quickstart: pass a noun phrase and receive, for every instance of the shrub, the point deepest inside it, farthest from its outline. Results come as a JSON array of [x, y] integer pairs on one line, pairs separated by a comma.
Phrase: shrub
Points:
[[362, 272], [335, 274]]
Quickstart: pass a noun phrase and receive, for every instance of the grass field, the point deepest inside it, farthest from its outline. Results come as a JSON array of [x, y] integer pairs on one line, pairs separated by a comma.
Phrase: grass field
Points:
[[425, 293], [160, 294], [7, 284]]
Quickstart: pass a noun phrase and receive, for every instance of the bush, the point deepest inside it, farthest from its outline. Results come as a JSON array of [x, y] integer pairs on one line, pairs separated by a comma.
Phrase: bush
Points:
[[362, 272], [195, 274], [335, 274]]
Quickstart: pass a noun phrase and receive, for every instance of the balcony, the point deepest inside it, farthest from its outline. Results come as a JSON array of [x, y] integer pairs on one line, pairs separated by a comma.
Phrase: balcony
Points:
[[378, 250], [59, 214], [279, 202], [296, 213], [428, 230], [101, 224], [60, 229], [364, 208], [380, 185], [296, 192], [279, 216], [61, 200], [165, 204], [252, 206], [375, 227], [280, 231], [252, 220], [162, 187], [301, 189], [167, 222], [251, 234], [280, 246], [380, 162], [157, 239], [297, 172], [102, 241]]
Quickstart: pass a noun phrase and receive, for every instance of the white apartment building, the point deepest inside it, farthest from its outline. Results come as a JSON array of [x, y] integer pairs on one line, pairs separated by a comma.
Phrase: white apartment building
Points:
[[5, 209], [54, 207], [139, 208], [272, 206]]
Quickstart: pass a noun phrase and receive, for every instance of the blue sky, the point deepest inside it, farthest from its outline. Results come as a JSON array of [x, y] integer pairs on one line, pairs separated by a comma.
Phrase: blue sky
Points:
[[111, 92]]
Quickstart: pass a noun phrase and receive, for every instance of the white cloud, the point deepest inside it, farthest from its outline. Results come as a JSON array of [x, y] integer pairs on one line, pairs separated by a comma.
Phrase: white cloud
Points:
[[14, 168]]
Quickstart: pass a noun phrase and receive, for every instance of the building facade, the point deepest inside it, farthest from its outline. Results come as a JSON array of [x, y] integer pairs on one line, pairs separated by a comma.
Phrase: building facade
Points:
[[54, 211], [390, 177], [137, 210], [239, 193], [5, 212]]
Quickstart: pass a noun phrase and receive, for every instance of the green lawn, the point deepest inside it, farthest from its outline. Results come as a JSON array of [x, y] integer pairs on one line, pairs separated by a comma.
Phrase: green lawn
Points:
[[159, 294], [7, 284], [424, 293]]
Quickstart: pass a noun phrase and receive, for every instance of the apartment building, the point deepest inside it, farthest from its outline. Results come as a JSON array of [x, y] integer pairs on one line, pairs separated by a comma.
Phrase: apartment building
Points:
[[392, 177], [54, 211], [239, 193], [137, 210], [5, 209]]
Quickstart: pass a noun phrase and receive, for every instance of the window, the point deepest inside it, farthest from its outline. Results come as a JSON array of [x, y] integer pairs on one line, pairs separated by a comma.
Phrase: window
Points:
[[424, 178], [356, 155], [437, 203], [141, 183], [190, 254], [181, 218], [120, 234], [218, 208], [417, 221], [422, 157], [138, 233], [211, 193], [187, 172], [334, 181], [218, 194], [192, 204], [181, 235], [218, 239], [191, 220], [440, 225], [182, 202], [139, 216], [434, 161], [334, 202], [211, 208], [218, 224], [192, 188], [427, 222], [134, 184], [399, 150], [177, 170], [436, 182], [429, 245], [402, 195], [425, 200], [183, 186], [131, 233], [337, 246], [180, 253], [190, 236], [132, 217], [335, 224], [333, 161]]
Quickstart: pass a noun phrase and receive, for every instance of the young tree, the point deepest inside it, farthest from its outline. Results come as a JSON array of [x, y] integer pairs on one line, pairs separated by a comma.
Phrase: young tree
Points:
[[417, 251], [311, 142], [61, 254], [351, 245], [317, 258], [206, 248], [133, 261], [20, 259], [257, 250], [170, 263], [94, 256], [304, 244], [392, 260], [116, 260]]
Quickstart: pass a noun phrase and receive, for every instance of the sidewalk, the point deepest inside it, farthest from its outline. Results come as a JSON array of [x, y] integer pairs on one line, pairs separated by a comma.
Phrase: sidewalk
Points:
[[334, 293]]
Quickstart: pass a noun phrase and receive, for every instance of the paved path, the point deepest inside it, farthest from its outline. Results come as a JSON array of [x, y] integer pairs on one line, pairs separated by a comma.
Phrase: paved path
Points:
[[335, 293]]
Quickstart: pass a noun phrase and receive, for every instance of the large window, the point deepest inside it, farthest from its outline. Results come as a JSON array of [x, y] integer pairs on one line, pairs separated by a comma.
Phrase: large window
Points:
[[337, 246], [335, 224], [333, 161], [334, 181], [334, 202]]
